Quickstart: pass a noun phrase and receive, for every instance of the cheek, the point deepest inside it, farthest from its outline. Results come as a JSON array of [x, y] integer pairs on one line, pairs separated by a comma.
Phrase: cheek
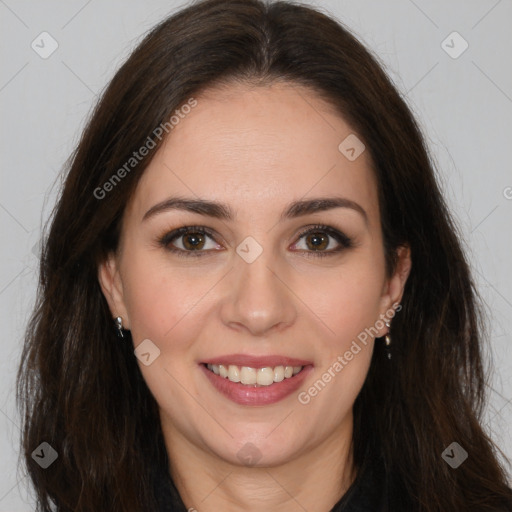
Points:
[[160, 298], [164, 304], [347, 301], [349, 307]]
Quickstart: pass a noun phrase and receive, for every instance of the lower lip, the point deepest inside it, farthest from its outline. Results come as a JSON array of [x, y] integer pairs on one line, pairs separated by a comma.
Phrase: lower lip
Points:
[[244, 394]]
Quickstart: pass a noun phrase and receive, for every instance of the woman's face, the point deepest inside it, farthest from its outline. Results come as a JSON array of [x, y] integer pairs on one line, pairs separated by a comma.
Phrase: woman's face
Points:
[[253, 291]]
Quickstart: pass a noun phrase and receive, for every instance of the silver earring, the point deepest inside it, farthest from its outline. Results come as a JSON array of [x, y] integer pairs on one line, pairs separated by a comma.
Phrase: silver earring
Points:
[[119, 326], [387, 341]]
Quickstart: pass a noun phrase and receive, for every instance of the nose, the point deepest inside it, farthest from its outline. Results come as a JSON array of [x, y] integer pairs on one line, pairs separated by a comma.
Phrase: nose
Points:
[[258, 298]]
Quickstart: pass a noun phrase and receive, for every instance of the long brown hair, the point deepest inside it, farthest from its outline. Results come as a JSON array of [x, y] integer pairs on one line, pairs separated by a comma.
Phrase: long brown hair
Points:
[[81, 390]]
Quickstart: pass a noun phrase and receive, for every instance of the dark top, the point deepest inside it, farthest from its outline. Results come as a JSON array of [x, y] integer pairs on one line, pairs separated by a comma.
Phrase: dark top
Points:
[[369, 492]]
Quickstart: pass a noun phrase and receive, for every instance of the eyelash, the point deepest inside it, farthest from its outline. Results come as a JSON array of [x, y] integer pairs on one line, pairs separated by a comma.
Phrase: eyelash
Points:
[[165, 241]]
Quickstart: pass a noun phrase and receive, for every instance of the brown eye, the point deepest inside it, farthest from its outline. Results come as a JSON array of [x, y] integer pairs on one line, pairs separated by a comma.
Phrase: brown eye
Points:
[[189, 241], [318, 241], [193, 241]]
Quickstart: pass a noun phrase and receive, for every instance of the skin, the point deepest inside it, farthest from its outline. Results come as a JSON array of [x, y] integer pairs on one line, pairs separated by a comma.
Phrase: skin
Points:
[[256, 149]]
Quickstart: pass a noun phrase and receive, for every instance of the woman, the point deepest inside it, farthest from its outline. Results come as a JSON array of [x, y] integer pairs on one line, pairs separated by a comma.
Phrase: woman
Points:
[[252, 294]]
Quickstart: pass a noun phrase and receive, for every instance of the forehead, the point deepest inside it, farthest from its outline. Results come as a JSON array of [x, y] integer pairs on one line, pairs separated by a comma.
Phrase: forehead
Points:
[[257, 148]]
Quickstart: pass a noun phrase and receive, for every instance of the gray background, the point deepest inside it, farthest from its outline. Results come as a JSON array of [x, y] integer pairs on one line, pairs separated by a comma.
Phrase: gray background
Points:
[[464, 106]]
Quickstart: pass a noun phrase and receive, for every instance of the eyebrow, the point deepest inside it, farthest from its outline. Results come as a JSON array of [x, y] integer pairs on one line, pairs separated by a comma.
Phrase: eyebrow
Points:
[[224, 212]]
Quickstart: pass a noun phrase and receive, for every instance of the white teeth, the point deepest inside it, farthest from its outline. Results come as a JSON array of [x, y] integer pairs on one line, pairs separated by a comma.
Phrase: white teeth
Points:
[[254, 376], [233, 373], [278, 373], [265, 376], [247, 375]]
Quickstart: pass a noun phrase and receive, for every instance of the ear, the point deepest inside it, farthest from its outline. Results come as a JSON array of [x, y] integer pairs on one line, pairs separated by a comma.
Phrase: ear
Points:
[[112, 287], [395, 285]]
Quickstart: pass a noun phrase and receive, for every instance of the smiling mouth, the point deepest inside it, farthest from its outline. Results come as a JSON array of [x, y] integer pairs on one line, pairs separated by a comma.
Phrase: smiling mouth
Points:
[[255, 377]]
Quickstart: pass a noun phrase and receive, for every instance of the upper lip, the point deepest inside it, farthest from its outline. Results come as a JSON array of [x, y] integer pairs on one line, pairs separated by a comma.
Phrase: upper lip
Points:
[[257, 361]]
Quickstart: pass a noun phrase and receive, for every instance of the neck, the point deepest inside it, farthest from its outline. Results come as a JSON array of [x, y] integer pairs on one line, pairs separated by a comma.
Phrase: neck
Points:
[[315, 480]]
